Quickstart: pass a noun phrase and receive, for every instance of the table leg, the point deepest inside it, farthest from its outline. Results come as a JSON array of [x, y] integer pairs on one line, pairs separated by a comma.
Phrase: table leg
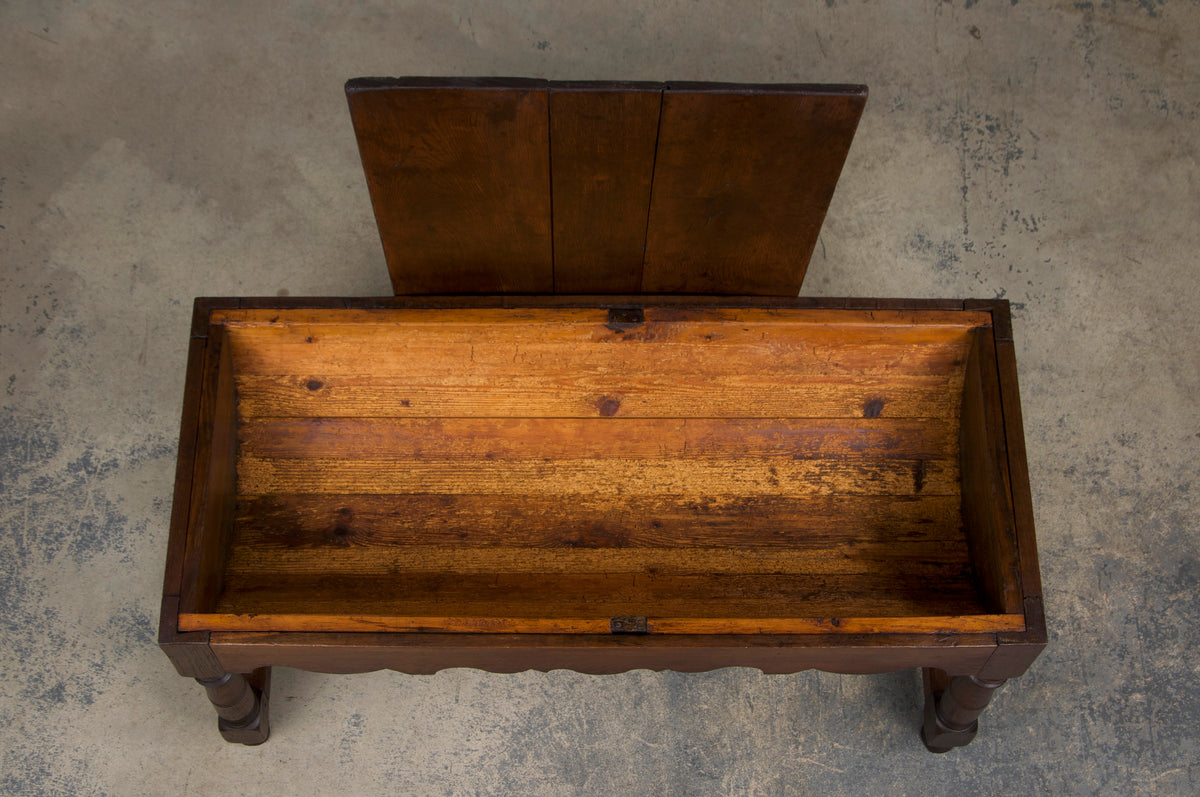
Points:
[[242, 703], [952, 708]]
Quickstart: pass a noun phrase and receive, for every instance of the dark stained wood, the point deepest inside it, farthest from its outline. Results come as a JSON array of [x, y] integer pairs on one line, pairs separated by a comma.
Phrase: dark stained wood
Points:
[[1001, 316], [885, 591], [676, 302], [1017, 650], [987, 513], [184, 465], [214, 483], [459, 175], [742, 181], [602, 144], [202, 307], [1018, 468], [607, 653], [188, 651], [523, 186], [310, 623], [301, 520], [243, 705], [952, 708]]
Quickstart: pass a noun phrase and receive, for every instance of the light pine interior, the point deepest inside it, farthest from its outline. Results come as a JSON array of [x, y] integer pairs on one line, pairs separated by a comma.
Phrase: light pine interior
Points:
[[712, 470]]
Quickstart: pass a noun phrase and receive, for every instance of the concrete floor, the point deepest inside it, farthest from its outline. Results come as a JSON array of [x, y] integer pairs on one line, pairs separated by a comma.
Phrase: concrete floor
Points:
[[152, 151]]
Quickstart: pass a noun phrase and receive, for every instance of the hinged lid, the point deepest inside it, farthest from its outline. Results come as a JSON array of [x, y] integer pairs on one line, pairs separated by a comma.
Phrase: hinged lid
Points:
[[501, 185]]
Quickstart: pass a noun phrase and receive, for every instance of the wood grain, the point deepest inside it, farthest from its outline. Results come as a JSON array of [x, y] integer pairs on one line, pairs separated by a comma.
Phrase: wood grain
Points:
[[302, 520], [896, 593], [744, 216], [719, 470], [920, 316], [664, 625], [625, 395], [987, 511], [628, 438], [577, 476], [602, 143], [459, 176], [514, 185], [214, 480], [929, 558]]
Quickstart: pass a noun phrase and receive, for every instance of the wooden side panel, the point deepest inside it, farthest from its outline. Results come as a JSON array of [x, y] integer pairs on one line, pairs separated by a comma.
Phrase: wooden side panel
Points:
[[214, 483], [742, 181], [184, 466], [602, 143], [987, 513], [459, 175], [584, 625], [428, 653]]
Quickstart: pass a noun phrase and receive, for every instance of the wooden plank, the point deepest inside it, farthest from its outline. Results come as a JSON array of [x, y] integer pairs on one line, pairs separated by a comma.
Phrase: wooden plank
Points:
[[589, 351], [366, 651], [423, 594], [634, 396], [628, 438], [581, 476], [185, 463], [675, 302], [600, 625], [602, 143], [1022, 501], [212, 494], [627, 521], [927, 558], [466, 355], [535, 313], [987, 514], [459, 176], [742, 181]]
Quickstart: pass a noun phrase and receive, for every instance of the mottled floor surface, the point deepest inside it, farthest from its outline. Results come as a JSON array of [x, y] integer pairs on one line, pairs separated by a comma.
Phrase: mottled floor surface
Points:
[[151, 152]]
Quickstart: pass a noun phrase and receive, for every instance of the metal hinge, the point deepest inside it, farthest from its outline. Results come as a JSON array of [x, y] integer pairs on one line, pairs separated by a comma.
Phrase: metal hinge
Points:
[[623, 318], [628, 625]]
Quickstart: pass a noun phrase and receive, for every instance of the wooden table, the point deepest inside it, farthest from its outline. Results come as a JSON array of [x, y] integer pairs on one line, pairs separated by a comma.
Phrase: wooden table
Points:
[[602, 484]]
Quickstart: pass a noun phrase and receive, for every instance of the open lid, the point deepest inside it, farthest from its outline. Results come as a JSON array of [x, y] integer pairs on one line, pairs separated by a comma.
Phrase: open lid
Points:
[[504, 185]]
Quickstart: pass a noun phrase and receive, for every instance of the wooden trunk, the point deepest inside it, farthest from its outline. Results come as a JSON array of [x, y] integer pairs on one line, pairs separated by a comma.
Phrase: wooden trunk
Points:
[[601, 482]]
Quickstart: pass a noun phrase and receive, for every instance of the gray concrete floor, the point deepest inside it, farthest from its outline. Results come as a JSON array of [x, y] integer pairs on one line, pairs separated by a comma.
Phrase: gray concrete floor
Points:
[[152, 151]]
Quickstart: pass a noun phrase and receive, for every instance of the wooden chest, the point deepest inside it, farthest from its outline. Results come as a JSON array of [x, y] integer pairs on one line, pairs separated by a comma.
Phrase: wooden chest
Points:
[[601, 482]]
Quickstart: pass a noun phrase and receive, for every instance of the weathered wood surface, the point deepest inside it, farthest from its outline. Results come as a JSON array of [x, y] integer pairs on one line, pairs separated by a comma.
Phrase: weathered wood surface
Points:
[[719, 471]]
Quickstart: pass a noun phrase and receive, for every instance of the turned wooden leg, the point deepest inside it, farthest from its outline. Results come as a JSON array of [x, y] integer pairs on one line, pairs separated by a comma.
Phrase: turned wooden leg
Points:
[[242, 704], [952, 708]]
